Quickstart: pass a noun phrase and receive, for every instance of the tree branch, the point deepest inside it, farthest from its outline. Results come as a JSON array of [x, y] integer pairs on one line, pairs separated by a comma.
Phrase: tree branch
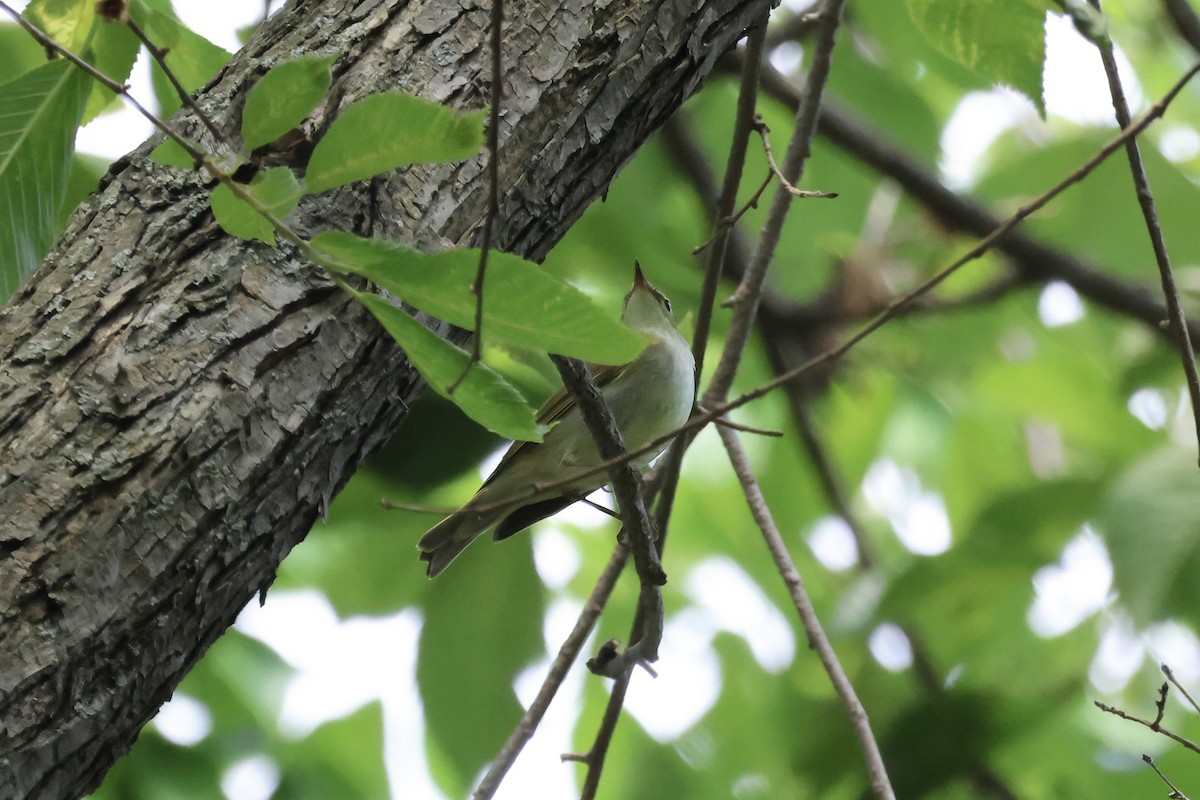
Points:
[[639, 530], [808, 616], [567, 653], [1141, 185]]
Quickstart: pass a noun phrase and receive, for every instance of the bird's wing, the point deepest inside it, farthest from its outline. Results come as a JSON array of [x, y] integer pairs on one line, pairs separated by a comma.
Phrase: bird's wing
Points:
[[557, 407]]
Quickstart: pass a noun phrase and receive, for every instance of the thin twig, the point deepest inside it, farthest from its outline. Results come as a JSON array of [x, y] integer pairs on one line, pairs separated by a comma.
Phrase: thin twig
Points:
[[743, 123], [1160, 705], [1145, 196], [725, 422], [780, 320], [1171, 677], [159, 54], [808, 615], [600, 508], [1175, 793], [567, 653], [746, 298], [1157, 728], [627, 485], [594, 758], [760, 127], [493, 206], [396, 505], [728, 222]]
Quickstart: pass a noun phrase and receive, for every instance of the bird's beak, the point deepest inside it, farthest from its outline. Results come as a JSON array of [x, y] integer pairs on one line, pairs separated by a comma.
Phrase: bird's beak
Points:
[[639, 279]]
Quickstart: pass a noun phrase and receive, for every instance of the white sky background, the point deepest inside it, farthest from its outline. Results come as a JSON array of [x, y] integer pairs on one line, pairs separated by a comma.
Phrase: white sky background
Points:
[[342, 664]]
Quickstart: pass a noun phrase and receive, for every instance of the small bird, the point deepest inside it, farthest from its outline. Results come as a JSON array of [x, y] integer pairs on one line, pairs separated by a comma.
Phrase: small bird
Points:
[[649, 397]]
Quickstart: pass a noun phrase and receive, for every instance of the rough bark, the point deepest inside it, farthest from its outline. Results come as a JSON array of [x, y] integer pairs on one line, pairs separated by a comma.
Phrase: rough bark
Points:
[[177, 408]]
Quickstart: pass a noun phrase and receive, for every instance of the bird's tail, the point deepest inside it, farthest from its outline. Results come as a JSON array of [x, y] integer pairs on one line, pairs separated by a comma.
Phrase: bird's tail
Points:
[[442, 543]]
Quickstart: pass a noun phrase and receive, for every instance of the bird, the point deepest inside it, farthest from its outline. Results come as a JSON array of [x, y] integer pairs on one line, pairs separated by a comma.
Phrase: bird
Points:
[[649, 397]]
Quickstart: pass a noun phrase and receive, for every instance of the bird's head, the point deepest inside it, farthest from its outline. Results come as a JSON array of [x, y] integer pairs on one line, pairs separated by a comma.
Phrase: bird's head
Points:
[[647, 310]]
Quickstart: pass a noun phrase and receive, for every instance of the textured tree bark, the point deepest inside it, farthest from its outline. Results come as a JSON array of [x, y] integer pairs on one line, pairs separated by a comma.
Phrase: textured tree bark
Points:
[[177, 407]]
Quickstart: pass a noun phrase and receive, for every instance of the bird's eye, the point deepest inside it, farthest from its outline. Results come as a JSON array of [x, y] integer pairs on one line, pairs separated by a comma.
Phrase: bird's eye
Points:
[[666, 304]]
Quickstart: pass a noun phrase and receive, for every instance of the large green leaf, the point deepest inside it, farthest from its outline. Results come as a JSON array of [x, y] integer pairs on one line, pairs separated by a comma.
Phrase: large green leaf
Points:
[[483, 624], [67, 22], [383, 132], [483, 395], [282, 98], [19, 53], [1120, 244], [1151, 524], [86, 172], [38, 115], [364, 558], [342, 758], [113, 51], [523, 303], [276, 190], [192, 58], [1000, 39]]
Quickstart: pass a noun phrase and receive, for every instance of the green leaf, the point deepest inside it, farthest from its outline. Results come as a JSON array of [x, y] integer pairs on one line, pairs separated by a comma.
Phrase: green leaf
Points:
[[383, 132], [276, 190], [283, 98], [342, 758], [170, 153], [192, 58], [113, 51], [483, 624], [364, 557], [523, 303], [1120, 244], [19, 53], [41, 110], [1151, 524], [1003, 40], [68, 22], [86, 172], [483, 395]]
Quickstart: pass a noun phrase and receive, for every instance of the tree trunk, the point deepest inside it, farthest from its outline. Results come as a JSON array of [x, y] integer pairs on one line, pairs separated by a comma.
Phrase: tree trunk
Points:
[[178, 407]]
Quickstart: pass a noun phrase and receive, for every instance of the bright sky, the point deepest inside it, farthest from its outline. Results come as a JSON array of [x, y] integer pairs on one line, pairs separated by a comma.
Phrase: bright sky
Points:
[[342, 664]]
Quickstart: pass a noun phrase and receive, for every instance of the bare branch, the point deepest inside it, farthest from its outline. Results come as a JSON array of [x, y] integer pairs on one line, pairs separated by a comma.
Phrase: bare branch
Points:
[[567, 654], [724, 217], [673, 462], [493, 196], [1175, 794], [627, 485], [1141, 185], [746, 298], [808, 615], [159, 54], [1171, 677], [1154, 726], [760, 127]]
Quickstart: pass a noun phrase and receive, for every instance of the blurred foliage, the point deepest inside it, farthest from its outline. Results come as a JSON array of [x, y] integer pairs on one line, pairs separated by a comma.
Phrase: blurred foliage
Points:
[[1020, 431]]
